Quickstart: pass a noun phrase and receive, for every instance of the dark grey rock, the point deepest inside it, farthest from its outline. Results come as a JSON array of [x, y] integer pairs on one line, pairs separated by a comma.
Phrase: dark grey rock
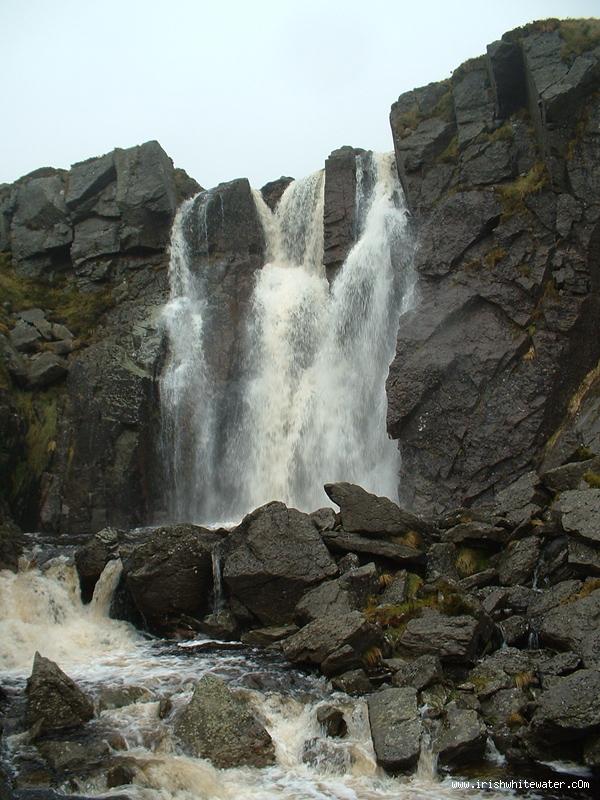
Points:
[[395, 728], [569, 709], [441, 561], [323, 637], [263, 637], [328, 599], [40, 223], [324, 519], [453, 639], [363, 512], [420, 673], [332, 720], [575, 626], [273, 190], [340, 541], [518, 501], [45, 369], [462, 737], [353, 682], [54, 701], [94, 237], [583, 557], [515, 630], [339, 218], [397, 591], [170, 574], [112, 697], [221, 726], [24, 337], [273, 557], [517, 563], [580, 513], [569, 476]]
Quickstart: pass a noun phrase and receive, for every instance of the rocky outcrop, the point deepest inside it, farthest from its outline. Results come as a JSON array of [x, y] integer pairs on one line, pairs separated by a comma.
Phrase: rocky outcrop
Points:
[[494, 370], [272, 558], [395, 728], [54, 701], [340, 221], [82, 277], [273, 190], [220, 725]]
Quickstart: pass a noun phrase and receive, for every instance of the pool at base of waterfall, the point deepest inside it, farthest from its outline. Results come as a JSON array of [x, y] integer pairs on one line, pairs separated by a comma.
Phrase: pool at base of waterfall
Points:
[[140, 686]]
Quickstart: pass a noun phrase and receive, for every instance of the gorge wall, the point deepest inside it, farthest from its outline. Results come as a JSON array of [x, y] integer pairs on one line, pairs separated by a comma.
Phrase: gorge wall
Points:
[[496, 369]]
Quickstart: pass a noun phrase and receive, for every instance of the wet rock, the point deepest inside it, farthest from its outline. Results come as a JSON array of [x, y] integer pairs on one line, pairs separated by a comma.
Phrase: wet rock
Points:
[[321, 638], [583, 557], [556, 595], [575, 626], [74, 757], [462, 737], [340, 541], [460, 638], [220, 725], [353, 682], [45, 369], [519, 500], [54, 701], [570, 708], [324, 519], [395, 728], [165, 706], [504, 713], [569, 476], [11, 544], [272, 558], [323, 755], [580, 513], [328, 599], [420, 673], [120, 775], [93, 556], [332, 720], [220, 625], [363, 512], [170, 573], [339, 217], [517, 563], [273, 190], [112, 697], [263, 637], [515, 630]]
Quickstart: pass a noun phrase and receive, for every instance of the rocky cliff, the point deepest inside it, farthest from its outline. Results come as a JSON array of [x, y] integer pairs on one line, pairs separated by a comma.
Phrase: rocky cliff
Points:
[[496, 369]]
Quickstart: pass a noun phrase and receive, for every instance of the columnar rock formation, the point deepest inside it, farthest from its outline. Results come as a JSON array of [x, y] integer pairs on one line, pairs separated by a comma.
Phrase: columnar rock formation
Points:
[[496, 368]]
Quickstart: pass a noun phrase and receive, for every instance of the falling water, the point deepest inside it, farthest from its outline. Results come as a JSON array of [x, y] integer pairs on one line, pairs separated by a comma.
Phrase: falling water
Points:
[[312, 407]]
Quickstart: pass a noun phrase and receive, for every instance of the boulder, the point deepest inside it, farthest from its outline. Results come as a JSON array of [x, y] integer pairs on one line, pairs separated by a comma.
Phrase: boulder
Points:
[[569, 708], [395, 728], [328, 599], [580, 513], [518, 562], [220, 725], [569, 476], [387, 549], [54, 701], [339, 215], [92, 557], [264, 637], [332, 720], [575, 626], [170, 573], [452, 639], [353, 682], [40, 223], [363, 512], [272, 191], [519, 500], [24, 337], [44, 369], [273, 557], [462, 737], [324, 637], [419, 674]]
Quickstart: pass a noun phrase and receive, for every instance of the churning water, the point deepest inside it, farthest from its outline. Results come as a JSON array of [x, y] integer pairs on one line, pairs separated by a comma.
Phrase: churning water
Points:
[[312, 406], [41, 610]]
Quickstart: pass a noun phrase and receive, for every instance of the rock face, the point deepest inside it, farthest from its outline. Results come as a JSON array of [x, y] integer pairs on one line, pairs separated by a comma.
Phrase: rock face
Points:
[[272, 558], [339, 219], [494, 370], [82, 277], [54, 701], [220, 725]]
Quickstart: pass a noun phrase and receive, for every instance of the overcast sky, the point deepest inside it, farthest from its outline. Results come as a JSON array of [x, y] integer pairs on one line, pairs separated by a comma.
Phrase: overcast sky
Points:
[[230, 88]]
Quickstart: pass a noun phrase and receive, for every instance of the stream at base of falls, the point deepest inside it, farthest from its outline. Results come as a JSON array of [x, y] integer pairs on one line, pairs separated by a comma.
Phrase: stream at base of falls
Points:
[[41, 610]]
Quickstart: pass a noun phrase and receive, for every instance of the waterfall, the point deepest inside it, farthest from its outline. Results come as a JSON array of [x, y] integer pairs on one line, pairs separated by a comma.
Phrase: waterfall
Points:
[[312, 406]]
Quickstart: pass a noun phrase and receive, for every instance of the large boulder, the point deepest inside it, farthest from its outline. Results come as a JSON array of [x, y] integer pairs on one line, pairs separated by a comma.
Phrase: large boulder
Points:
[[273, 557], [396, 728], [453, 639], [40, 223], [575, 626], [388, 548], [339, 214], [169, 575], [363, 512], [462, 737], [54, 701], [580, 514], [221, 725], [336, 643], [569, 708]]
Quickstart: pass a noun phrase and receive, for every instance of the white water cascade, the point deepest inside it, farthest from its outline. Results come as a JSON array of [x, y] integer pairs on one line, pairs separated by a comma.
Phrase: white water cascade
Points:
[[312, 406]]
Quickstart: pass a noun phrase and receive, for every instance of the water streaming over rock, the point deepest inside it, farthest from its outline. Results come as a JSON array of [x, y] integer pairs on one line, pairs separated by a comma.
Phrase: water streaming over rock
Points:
[[312, 406], [41, 610]]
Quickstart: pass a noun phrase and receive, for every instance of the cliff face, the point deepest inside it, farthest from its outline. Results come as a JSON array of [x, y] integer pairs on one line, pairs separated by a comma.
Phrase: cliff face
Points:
[[496, 369], [82, 277]]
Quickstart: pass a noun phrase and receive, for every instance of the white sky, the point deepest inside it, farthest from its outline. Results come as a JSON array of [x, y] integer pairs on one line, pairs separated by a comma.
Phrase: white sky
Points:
[[229, 88]]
